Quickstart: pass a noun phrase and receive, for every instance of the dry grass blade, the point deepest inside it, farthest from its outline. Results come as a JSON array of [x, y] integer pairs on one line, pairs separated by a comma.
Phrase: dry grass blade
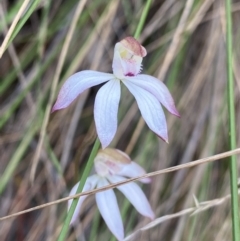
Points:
[[16, 62], [14, 23], [203, 206], [175, 41], [151, 174]]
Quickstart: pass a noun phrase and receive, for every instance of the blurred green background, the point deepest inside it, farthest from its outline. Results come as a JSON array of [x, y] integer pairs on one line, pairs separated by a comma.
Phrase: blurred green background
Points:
[[186, 45]]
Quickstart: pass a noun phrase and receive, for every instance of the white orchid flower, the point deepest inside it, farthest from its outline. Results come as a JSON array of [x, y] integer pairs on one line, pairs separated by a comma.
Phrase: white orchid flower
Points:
[[113, 166], [148, 91]]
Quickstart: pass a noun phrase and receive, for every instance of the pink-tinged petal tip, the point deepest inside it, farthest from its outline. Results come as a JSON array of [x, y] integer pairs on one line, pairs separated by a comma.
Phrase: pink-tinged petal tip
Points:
[[150, 109], [156, 88], [175, 112], [53, 109], [164, 138]]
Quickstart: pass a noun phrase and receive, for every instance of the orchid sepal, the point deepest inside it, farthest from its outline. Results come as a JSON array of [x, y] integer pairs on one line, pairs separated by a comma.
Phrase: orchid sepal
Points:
[[77, 84]]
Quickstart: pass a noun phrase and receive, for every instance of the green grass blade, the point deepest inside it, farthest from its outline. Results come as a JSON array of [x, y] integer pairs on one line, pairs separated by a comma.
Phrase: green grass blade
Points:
[[23, 21], [84, 177], [142, 19], [232, 128]]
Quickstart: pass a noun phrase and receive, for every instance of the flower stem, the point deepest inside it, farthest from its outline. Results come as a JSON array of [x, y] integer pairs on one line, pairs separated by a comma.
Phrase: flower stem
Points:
[[96, 146], [232, 130], [142, 19], [84, 177]]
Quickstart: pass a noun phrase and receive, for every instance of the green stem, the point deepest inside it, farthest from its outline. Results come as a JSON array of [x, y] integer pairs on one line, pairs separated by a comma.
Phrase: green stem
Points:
[[232, 130], [84, 177], [142, 19], [96, 146]]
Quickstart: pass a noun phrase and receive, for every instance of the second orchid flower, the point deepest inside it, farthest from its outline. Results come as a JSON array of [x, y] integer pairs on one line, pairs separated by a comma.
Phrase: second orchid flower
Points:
[[112, 166]]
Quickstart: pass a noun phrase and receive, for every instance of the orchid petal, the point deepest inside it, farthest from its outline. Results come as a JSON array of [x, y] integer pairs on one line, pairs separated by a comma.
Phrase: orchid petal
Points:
[[78, 83], [156, 88], [135, 195], [108, 207], [150, 109], [105, 111], [133, 170], [89, 185]]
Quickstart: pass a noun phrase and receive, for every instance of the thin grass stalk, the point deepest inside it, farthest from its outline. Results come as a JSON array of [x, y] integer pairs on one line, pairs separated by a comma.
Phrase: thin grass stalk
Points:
[[11, 13], [96, 146], [232, 128], [16, 28], [142, 19]]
